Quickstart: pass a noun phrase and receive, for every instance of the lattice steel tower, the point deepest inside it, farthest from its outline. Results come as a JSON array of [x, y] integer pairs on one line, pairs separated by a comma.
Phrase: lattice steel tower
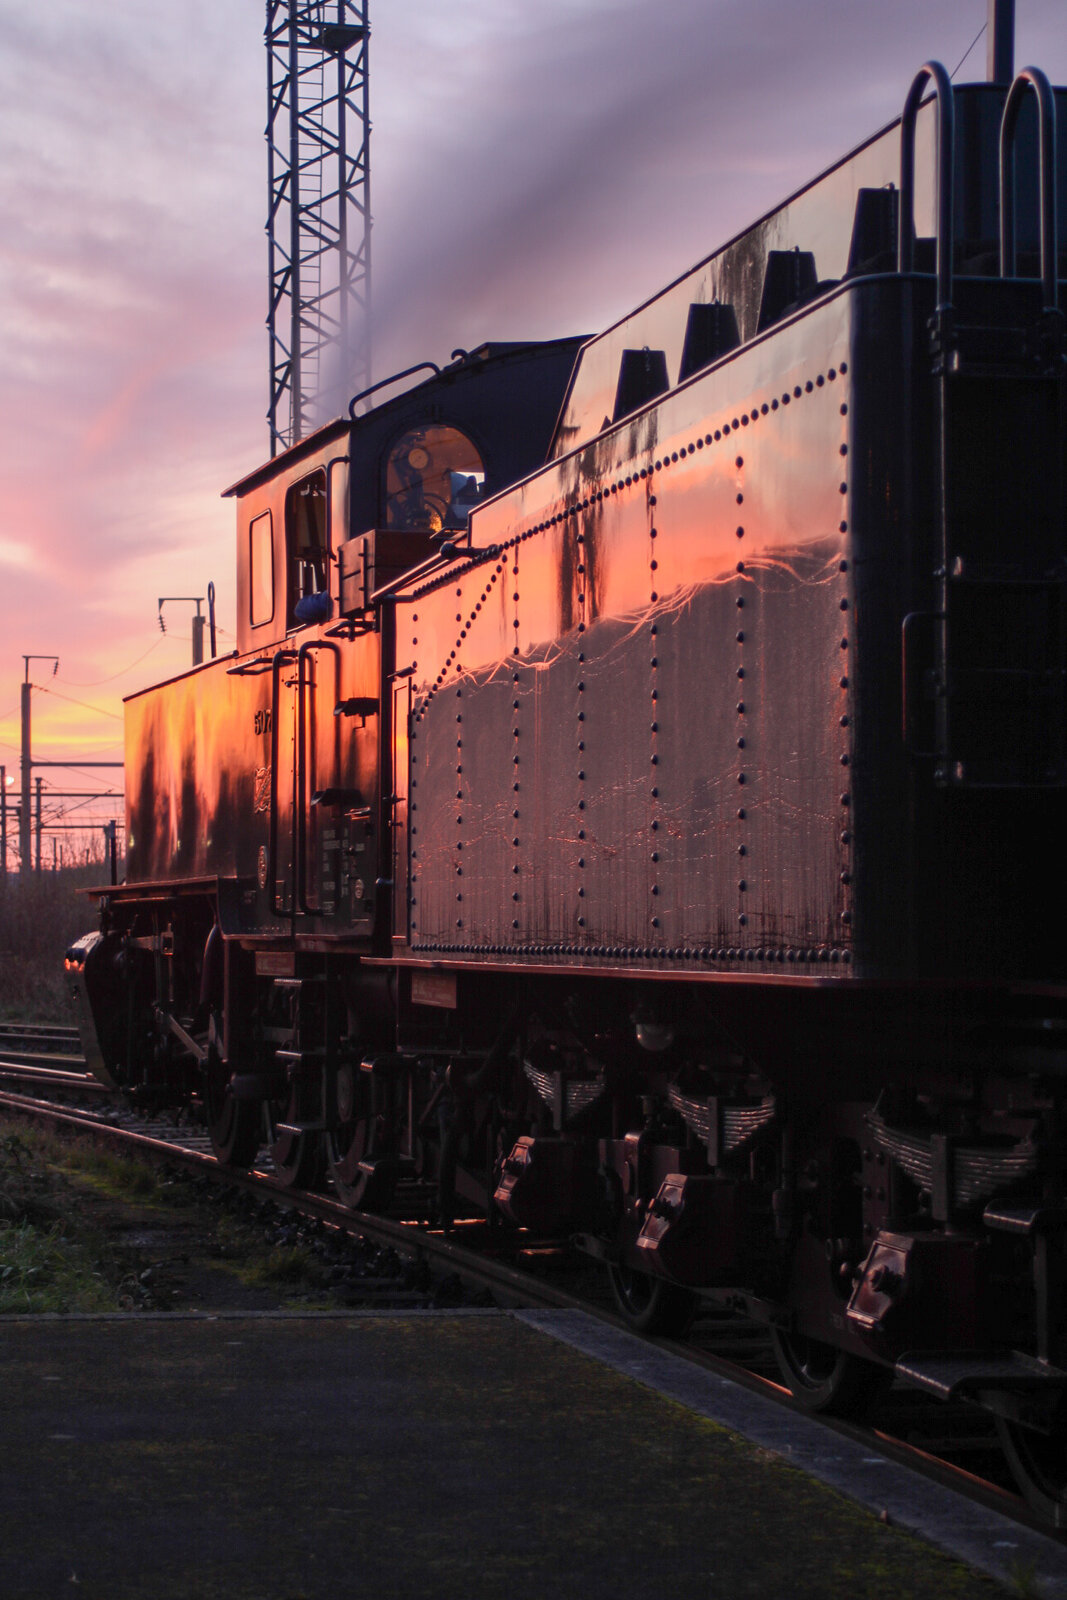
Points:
[[318, 227]]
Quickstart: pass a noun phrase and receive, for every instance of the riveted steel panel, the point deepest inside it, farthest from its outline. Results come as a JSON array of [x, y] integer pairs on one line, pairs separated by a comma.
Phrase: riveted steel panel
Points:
[[624, 719]]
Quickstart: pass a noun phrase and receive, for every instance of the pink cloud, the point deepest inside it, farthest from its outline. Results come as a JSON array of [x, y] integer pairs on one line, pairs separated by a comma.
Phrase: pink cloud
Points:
[[536, 171]]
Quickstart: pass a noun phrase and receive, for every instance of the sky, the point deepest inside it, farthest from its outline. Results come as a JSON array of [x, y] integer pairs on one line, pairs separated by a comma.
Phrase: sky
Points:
[[537, 170]]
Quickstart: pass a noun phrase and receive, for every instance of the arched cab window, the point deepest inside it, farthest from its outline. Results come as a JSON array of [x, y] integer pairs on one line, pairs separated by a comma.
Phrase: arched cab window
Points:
[[434, 477], [306, 554]]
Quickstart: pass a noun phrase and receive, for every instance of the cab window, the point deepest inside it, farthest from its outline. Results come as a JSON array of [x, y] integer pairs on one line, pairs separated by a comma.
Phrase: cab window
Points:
[[307, 557], [260, 570], [434, 477]]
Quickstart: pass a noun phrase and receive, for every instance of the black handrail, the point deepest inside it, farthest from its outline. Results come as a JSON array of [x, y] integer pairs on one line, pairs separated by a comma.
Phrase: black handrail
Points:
[[300, 862], [281, 658], [932, 72], [383, 383], [1030, 78]]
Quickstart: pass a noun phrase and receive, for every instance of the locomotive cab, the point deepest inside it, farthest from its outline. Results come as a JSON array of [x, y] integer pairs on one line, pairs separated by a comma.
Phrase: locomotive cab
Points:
[[366, 498]]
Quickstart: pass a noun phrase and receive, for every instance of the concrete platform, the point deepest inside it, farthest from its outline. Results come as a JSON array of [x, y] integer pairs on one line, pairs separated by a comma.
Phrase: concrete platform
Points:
[[466, 1454]]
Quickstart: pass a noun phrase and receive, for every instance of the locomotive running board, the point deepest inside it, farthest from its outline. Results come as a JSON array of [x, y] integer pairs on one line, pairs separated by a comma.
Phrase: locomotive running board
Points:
[[952, 1377]]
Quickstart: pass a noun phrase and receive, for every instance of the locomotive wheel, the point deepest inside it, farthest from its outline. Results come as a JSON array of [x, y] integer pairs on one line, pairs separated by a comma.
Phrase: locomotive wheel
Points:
[[822, 1378], [346, 1147], [1038, 1462], [234, 1130], [649, 1305], [354, 1140], [233, 1125], [297, 1157]]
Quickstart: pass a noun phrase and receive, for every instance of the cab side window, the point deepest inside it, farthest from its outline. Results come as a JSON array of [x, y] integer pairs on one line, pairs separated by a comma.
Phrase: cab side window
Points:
[[434, 477], [260, 570], [307, 558]]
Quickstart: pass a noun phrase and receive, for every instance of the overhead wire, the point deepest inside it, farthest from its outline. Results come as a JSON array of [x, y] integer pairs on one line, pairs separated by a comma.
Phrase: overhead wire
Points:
[[95, 683], [968, 50], [84, 704]]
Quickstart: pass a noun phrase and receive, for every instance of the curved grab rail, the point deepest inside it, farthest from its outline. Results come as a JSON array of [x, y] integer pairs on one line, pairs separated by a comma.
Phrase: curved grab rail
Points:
[[932, 72], [383, 383], [1030, 78]]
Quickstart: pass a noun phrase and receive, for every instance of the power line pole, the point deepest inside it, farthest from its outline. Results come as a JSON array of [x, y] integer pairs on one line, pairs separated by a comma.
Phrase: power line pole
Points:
[[198, 621], [24, 805], [25, 858], [318, 221]]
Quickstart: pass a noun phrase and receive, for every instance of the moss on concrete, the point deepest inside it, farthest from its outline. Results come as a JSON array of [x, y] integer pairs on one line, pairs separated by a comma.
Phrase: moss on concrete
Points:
[[398, 1456]]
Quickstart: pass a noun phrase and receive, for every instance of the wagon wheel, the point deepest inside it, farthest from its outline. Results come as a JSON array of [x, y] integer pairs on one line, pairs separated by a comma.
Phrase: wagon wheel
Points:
[[233, 1125], [357, 1145], [821, 1377], [1039, 1466], [297, 1157], [650, 1305]]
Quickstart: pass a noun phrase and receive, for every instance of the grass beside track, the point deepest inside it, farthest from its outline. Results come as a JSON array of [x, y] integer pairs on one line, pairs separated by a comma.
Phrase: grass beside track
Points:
[[66, 1210], [51, 1257]]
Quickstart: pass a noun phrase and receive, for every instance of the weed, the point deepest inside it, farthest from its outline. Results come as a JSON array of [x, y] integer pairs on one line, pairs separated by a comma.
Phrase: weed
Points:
[[1024, 1581], [49, 1260], [45, 1270], [112, 1174], [284, 1264]]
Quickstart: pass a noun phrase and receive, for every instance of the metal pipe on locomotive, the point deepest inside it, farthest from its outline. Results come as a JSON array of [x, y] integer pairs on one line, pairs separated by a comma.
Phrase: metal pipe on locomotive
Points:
[[632, 808]]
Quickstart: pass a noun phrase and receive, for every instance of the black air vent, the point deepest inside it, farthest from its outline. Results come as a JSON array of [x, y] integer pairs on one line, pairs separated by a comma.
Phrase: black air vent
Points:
[[789, 281], [874, 232], [710, 332], [642, 376]]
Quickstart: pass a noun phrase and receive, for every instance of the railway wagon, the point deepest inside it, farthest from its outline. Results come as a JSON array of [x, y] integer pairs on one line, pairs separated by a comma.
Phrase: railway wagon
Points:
[[632, 810]]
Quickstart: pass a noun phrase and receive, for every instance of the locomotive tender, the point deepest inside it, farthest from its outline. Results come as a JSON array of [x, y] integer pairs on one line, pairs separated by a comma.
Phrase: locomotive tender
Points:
[[632, 807]]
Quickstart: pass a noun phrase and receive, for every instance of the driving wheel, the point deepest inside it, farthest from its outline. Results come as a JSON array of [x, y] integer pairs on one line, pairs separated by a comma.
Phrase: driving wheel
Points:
[[295, 1152], [822, 1378], [362, 1167], [650, 1305], [233, 1125], [1039, 1465]]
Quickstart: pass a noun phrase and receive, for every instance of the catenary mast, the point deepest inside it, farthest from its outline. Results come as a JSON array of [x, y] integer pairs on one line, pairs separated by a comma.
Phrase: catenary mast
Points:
[[318, 223]]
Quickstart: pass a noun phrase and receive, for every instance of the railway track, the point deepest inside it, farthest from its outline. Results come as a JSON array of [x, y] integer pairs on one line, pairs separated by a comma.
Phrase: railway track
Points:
[[39, 1038], [954, 1446], [48, 1055]]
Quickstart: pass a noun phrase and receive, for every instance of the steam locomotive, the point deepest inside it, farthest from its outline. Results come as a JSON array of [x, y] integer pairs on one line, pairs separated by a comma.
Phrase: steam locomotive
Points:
[[631, 810]]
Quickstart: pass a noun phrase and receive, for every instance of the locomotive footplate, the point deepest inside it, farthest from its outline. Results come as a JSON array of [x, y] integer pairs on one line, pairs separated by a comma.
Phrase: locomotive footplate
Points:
[[1016, 1386]]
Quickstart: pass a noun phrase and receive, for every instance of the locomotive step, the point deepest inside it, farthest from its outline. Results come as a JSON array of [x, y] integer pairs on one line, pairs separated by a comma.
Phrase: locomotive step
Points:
[[402, 1166], [950, 1376]]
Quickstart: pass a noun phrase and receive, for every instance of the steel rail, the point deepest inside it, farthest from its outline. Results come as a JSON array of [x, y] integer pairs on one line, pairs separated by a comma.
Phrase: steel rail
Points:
[[62, 1041], [23, 1069], [50, 1030]]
